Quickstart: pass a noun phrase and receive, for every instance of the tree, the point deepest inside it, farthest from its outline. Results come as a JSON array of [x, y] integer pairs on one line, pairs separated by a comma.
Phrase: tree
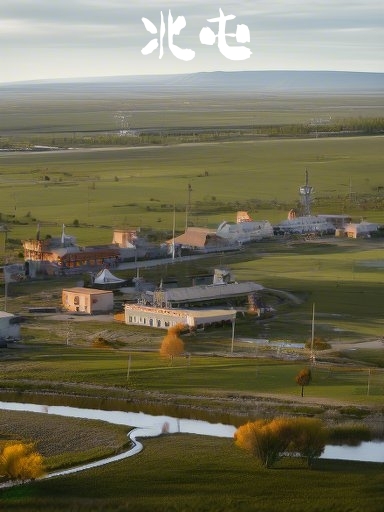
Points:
[[266, 440], [308, 438], [303, 378], [172, 346], [19, 461], [270, 440]]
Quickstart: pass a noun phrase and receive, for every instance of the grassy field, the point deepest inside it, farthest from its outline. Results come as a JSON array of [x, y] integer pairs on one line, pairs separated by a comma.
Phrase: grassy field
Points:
[[104, 188], [70, 113], [139, 187], [81, 368], [63, 443], [197, 473]]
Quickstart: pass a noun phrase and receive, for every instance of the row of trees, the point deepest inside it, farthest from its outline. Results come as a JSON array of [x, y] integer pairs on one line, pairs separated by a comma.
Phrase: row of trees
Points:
[[20, 461], [270, 440]]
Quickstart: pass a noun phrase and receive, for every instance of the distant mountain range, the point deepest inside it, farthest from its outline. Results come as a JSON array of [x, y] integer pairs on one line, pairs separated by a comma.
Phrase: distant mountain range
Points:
[[222, 81]]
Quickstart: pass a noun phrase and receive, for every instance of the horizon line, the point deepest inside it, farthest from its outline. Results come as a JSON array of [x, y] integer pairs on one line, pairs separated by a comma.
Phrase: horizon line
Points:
[[70, 79]]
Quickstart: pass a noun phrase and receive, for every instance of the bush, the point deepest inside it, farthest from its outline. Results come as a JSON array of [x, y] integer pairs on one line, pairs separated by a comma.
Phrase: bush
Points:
[[19, 461], [269, 441], [351, 434], [318, 344]]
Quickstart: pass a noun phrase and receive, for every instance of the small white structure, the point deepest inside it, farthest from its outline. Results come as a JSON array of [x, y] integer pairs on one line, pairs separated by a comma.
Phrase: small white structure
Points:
[[105, 280], [163, 318], [361, 230], [9, 327], [87, 300]]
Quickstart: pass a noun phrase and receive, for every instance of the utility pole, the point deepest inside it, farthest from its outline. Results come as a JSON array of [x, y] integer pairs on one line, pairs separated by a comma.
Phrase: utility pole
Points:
[[173, 232], [188, 206], [312, 357], [129, 367], [233, 335]]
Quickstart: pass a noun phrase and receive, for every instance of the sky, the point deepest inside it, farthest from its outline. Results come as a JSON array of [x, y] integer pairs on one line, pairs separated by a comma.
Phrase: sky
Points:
[[50, 39]]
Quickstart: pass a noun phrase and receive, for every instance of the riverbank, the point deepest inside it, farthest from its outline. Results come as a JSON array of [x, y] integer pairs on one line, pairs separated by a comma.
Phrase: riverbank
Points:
[[228, 408]]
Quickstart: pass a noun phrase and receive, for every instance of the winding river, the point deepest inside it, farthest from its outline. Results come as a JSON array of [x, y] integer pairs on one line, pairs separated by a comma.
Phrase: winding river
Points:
[[147, 425]]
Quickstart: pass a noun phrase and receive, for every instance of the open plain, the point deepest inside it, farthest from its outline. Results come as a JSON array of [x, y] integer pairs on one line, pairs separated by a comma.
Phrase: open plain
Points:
[[234, 153]]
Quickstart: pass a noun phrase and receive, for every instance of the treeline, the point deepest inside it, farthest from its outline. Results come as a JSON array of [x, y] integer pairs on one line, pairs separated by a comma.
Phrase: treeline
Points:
[[337, 127]]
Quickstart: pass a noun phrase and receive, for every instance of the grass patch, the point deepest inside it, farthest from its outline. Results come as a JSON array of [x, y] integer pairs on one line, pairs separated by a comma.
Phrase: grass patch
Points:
[[63, 442]]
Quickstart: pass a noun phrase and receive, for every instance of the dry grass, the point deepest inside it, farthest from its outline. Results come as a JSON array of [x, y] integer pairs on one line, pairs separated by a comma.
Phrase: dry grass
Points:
[[55, 435]]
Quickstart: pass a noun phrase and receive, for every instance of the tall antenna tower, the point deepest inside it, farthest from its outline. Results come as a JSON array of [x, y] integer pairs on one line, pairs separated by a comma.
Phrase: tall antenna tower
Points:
[[306, 196], [122, 119]]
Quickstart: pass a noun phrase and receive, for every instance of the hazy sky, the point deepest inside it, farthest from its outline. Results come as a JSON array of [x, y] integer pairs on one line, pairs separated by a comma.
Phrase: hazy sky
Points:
[[78, 38]]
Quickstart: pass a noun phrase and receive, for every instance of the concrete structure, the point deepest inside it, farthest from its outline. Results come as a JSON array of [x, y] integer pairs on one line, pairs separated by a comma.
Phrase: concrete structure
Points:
[[163, 318], [9, 327], [311, 224], [361, 230], [125, 238], [245, 230], [87, 300], [67, 255], [338, 221], [203, 295], [199, 240]]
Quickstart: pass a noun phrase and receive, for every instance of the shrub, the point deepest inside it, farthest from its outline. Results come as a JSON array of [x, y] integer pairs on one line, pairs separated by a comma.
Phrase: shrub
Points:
[[318, 344], [269, 441], [351, 434], [19, 461]]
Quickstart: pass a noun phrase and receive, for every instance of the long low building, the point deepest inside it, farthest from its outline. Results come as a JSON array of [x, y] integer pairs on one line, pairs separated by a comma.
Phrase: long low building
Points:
[[163, 318], [202, 295]]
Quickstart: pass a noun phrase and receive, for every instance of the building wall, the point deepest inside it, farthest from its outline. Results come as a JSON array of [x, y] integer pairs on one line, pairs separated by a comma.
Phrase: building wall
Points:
[[160, 319], [87, 301], [8, 329]]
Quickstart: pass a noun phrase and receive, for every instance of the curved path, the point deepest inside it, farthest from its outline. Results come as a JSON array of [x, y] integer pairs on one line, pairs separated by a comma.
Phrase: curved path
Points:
[[146, 426], [135, 448]]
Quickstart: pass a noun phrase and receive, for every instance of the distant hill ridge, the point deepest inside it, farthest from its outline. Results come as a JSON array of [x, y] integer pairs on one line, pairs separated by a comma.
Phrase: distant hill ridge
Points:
[[226, 81]]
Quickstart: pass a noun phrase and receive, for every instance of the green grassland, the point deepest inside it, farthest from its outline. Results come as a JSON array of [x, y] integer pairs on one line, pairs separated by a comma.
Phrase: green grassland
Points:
[[104, 188], [82, 369], [140, 186], [63, 115]]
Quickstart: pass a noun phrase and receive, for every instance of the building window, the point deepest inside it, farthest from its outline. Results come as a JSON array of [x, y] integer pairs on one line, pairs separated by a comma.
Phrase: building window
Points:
[[159, 323], [129, 319]]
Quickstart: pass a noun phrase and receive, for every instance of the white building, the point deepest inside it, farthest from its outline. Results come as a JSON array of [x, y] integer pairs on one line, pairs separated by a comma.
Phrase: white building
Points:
[[245, 230], [309, 224], [360, 230], [163, 318], [9, 327], [87, 300]]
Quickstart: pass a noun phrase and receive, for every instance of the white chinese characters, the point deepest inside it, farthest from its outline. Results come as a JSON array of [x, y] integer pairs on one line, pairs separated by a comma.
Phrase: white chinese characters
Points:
[[206, 36], [174, 28]]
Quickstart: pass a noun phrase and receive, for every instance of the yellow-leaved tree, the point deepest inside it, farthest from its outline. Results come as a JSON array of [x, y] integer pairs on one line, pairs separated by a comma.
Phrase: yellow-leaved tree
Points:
[[266, 440], [309, 437], [270, 440], [303, 378], [20, 461], [172, 346]]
